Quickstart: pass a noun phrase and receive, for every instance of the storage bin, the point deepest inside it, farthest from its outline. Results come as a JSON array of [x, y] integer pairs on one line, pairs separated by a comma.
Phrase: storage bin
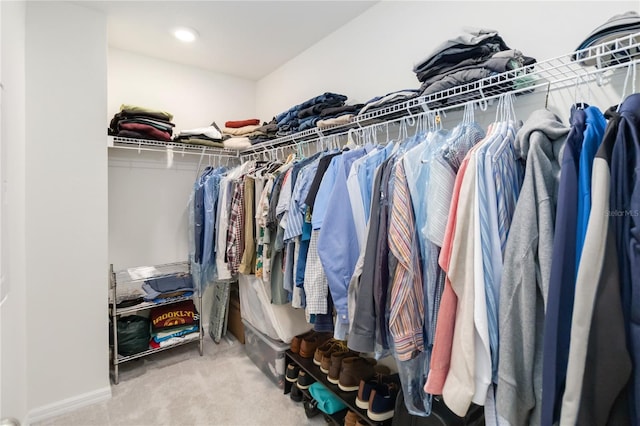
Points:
[[266, 353]]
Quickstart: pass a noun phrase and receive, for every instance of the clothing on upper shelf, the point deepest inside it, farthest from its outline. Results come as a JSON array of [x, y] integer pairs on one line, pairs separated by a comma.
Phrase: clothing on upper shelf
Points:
[[242, 123], [473, 55], [615, 27], [305, 115], [141, 123]]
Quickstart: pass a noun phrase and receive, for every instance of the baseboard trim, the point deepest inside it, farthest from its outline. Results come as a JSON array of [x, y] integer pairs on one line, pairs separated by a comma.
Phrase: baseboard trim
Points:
[[67, 405]]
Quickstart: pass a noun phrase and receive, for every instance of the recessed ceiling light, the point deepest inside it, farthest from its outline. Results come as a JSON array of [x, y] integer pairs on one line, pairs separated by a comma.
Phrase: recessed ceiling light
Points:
[[185, 34]]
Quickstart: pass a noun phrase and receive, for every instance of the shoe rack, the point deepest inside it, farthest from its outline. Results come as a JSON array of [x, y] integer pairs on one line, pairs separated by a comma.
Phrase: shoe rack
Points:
[[349, 398]]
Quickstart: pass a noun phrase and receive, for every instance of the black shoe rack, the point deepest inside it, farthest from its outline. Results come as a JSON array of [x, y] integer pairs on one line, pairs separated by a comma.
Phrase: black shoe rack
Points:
[[349, 398]]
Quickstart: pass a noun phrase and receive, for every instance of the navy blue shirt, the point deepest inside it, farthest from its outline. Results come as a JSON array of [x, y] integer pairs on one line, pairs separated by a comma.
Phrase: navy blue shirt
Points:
[[625, 219], [557, 326]]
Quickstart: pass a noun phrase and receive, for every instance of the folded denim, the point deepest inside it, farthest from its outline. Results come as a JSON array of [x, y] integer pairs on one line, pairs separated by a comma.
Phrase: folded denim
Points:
[[293, 111], [318, 108], [337, 111]]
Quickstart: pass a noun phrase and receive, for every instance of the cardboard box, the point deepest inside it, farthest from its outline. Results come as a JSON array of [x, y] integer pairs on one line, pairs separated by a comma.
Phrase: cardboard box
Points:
[[234, 321]]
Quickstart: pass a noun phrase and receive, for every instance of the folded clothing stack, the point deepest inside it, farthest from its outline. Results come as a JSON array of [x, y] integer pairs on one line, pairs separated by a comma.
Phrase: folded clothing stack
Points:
[[307, 114], [141, 123], [207, 136], [266, 132], [617, 26], [165, 288], [398, 96], [171, 323], [236, 134], [472, 56]]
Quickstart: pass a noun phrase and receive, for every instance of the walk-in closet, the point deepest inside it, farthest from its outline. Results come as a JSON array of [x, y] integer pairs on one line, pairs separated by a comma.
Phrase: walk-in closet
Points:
[[383, 213]]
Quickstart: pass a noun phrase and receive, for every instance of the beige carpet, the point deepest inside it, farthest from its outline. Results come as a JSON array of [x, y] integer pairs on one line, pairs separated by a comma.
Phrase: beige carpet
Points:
[[178, 387]]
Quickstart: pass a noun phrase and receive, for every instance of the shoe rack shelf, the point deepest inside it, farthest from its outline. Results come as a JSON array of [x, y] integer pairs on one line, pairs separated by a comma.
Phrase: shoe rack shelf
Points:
[[349, 398]]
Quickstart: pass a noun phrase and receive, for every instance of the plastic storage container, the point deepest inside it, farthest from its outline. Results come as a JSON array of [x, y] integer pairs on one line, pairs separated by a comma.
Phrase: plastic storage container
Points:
[[266, 353]]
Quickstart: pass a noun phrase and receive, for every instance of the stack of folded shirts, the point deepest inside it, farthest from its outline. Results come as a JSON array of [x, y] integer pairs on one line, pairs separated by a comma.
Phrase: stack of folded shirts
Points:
[[389, 99], [171, 323], [618, 26], [267, 131], [141, 123], [307, 114], [338, 115], [168, 287], [236, 134], [472, 56], [208, 136]]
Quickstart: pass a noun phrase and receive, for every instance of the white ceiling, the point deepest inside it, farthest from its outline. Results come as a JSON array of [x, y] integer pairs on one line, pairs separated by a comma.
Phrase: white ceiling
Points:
[[247, 39]]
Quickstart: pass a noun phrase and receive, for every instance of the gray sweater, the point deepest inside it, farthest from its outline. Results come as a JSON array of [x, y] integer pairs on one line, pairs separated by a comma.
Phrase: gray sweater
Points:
[[527, 268]]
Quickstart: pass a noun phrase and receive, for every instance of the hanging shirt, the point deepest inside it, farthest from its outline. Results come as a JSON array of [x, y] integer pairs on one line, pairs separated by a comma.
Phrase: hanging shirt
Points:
[[406, 303], [625, 219], [499, 180], [609, 367], [595, 124], [557, 327], [527, 268], [443, 338], [337, 243]]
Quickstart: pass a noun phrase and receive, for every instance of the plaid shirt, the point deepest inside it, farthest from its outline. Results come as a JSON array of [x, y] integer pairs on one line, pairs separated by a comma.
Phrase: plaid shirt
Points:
[[235, 233]]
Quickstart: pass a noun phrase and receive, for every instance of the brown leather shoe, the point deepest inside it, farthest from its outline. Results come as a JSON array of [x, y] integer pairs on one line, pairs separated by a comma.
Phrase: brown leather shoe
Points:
[[325, 364], [295, 342], [333, 373], [353, 370], [351, 418], [310, 343], [322, 349]]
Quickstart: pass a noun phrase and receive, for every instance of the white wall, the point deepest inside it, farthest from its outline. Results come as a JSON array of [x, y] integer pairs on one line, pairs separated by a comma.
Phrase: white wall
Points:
[[374, 53], [13, 318], [194, 96], [66, 207]]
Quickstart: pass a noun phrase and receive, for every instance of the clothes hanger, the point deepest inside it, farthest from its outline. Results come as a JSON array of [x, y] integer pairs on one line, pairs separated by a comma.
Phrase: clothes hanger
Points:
[[626, 81]]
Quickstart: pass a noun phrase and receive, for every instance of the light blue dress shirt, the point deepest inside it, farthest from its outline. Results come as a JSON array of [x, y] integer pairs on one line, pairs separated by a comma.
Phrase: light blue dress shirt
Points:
[[338, 243]]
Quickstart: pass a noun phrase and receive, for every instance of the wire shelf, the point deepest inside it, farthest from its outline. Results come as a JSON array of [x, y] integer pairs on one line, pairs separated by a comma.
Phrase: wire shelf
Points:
[[177, 147], [584, 66]]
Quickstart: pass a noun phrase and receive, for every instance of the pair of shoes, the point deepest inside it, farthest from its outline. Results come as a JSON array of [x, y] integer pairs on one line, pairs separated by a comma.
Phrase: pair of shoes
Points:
[[292, 373], [333, 372], [354, 369], [310, 343], [296, 394], [351, 418], [304, 380], [300, 377], [325, 349], [366, 387], [382, 402], [297, 340]]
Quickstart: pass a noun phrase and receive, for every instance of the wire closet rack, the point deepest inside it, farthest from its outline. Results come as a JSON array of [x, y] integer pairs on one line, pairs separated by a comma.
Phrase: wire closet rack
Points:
[[590, 65], [586, 66]]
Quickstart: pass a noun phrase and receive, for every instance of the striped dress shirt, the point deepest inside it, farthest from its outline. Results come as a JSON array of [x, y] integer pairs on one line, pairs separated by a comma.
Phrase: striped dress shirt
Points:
[[406, 306]]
